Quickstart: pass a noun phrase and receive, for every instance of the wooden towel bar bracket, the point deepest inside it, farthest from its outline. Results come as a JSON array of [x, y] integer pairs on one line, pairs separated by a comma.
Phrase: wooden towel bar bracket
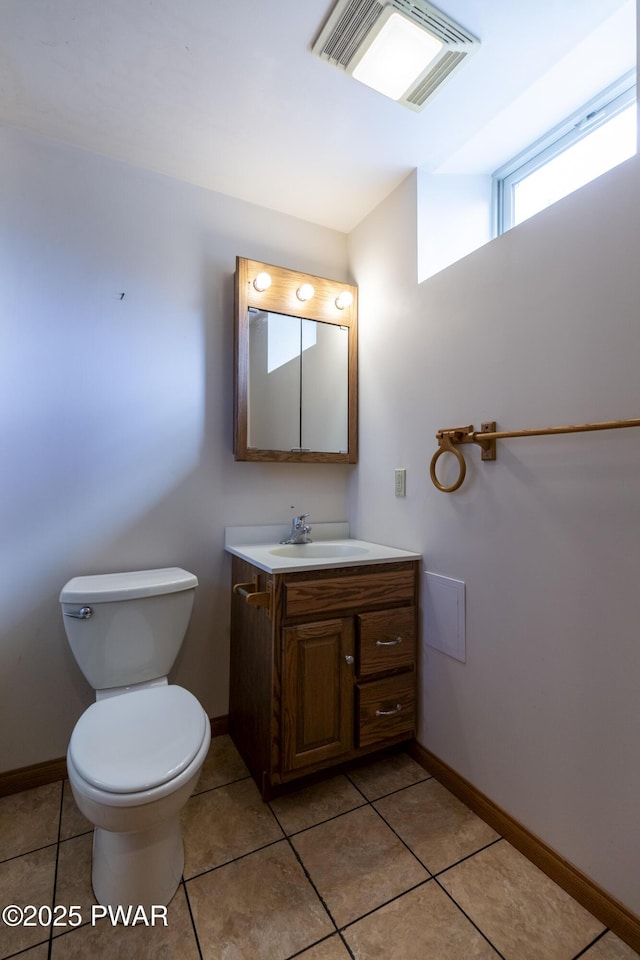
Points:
[[452, 437], [255, 597]]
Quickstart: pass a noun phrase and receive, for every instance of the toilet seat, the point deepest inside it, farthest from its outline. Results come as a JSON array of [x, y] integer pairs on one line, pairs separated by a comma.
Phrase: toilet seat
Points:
[[138, 740]]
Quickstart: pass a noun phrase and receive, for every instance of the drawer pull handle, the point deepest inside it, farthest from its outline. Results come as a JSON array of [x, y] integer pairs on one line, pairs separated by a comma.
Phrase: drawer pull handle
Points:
[[388, 713], [389, 643]]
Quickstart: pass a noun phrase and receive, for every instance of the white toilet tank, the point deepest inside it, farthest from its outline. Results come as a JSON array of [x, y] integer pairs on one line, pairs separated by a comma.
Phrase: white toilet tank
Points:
[[126, 628]]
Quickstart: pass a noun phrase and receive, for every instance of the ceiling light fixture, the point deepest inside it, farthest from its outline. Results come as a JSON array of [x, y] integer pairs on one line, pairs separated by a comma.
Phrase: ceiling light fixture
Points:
[[405, 49], [397, 51]]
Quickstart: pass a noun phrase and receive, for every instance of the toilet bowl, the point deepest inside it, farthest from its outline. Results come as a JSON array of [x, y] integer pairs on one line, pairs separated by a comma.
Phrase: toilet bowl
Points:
[[133, 762], [135, 755]]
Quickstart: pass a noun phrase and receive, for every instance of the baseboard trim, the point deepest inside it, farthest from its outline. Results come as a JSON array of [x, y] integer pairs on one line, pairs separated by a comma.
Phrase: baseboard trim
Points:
[[39, 774], [219, 726], [36, 775], [593, 898]]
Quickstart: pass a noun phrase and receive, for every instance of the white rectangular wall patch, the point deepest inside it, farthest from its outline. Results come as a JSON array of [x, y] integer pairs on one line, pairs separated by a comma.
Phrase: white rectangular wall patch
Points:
[[444, 615]]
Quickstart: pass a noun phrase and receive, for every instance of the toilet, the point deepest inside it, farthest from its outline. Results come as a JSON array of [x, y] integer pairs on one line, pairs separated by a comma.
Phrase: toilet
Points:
[[135, 755]]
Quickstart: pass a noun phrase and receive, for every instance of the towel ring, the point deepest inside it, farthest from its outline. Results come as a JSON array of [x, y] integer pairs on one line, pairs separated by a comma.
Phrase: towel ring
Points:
[[446, 446]]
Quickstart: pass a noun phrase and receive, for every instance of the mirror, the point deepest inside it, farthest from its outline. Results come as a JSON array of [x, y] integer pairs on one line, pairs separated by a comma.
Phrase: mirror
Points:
[[297, 384], [296, 366]]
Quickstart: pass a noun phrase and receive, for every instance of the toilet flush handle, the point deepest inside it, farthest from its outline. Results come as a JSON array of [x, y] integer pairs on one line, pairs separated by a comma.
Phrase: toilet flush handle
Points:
[[82, 614]]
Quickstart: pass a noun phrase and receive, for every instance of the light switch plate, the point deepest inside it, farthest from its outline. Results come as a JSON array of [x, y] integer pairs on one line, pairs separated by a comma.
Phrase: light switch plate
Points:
[[400, 482]]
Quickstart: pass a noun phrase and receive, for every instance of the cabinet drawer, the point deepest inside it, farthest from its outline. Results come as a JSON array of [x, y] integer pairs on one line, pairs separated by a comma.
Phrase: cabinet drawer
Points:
[[386, 708], [345, 593], [387, 639]]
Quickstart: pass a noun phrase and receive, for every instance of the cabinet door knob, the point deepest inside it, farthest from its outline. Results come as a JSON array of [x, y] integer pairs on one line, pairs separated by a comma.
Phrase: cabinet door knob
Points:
[[349, 658]]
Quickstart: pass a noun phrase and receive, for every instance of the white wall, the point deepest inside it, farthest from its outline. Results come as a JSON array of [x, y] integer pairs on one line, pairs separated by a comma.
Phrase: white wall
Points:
[[454, 218], [116, 414], [537, 328]]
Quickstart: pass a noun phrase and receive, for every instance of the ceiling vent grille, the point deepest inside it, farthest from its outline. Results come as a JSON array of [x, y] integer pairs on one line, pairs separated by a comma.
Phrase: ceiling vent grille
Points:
[[350, 22], [427, 86], [352, 27]]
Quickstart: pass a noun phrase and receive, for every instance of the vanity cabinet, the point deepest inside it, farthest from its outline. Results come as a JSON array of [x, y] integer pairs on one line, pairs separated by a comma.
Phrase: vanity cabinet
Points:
[[322, 666]]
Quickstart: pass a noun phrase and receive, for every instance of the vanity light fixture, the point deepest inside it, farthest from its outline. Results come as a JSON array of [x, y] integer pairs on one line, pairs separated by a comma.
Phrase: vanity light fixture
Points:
[[344, 299], [404, 49], [305, 292], [262, 282]]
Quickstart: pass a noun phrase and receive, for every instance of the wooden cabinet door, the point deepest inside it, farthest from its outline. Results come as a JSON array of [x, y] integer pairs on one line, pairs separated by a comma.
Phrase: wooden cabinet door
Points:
[[317, 692]]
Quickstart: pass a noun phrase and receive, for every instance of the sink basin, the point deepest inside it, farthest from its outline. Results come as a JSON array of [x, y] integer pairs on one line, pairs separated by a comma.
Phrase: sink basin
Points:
[[305, 551]]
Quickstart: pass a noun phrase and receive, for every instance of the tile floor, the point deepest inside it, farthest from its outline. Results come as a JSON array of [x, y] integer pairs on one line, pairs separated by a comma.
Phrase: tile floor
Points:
[[380, 864]]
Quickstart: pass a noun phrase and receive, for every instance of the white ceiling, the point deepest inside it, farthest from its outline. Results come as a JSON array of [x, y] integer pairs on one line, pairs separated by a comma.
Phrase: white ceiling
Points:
[[229, 96]]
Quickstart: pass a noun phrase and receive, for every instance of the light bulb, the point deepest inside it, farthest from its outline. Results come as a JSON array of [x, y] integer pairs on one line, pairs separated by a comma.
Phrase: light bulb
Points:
[[344, 299], [305, 292], [262, 282]]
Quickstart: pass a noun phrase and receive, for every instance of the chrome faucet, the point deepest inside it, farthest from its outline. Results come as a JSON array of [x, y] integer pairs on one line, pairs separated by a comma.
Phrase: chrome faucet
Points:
[[299, 531]]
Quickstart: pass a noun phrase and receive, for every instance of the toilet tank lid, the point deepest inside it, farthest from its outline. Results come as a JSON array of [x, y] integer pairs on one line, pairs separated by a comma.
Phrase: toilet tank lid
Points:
[[108, 587]]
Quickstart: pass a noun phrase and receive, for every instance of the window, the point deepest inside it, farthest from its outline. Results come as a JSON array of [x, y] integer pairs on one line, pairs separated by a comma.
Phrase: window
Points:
[[588, 143]]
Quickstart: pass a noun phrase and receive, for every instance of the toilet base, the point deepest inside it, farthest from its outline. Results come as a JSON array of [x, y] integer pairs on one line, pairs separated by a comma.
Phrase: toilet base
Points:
[[138, 869]]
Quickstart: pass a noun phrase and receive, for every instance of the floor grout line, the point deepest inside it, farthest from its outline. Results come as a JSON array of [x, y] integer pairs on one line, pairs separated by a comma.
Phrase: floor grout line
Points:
[[55, 872], [457, 863], [193, 920], [241, 856], [218, 786], [591, 944], [472, 922], [398, 896], [312, 826], [26, 853], [305, 871]]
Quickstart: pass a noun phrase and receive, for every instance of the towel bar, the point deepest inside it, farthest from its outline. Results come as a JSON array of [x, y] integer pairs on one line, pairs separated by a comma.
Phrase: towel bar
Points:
[[450, 438]]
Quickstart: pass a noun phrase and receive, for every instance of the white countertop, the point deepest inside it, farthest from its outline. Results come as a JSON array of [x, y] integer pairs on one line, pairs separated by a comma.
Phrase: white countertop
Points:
[[260, 546]]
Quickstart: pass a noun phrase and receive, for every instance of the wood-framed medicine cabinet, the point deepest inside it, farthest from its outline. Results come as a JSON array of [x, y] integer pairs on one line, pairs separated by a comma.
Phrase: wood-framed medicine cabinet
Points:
[[296, 366]]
